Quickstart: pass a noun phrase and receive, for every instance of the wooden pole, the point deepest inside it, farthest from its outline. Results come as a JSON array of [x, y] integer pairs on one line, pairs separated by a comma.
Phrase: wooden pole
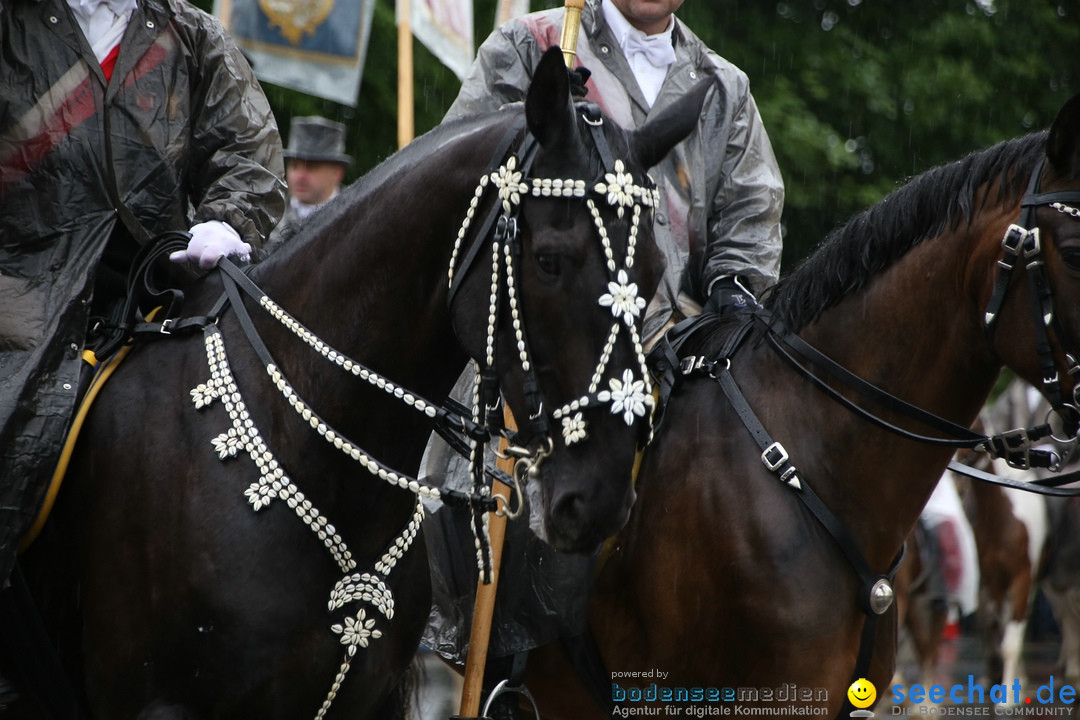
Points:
[[405, 74], [224, 10], [480, 633], [473, 689]]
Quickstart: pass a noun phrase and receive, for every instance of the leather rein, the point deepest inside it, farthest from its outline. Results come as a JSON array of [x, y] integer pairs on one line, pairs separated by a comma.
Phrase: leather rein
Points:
[[1016, 447]]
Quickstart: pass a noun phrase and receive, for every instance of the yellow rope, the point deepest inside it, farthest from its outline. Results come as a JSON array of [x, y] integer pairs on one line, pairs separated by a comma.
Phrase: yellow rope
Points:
[[73, 435]]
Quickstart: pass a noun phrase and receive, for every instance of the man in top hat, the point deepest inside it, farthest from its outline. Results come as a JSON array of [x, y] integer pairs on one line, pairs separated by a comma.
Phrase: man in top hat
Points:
[[315, 165]]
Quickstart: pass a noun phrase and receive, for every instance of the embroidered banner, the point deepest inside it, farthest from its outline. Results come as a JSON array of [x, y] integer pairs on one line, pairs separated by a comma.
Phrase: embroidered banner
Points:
[[446, 29], [314, 46]]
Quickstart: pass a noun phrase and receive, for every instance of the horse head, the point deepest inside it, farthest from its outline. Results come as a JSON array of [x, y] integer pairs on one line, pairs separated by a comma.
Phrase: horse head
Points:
[[562, 337], [1045, 242]]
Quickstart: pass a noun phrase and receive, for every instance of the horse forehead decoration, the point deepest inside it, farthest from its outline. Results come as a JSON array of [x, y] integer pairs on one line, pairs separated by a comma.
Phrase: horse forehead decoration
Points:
[[628, 394]]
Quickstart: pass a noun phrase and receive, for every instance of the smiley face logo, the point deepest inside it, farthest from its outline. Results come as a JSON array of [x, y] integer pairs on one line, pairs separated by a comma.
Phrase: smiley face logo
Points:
[[862, 693]]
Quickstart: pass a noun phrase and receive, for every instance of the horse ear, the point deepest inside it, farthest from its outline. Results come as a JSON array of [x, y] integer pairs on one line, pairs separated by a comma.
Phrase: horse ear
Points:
[[653, 140], [548, 109], [1062, 148]]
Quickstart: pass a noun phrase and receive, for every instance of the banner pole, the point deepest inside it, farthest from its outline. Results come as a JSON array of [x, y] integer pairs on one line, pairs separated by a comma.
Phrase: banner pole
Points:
[[484, 606], [224, 14], [405, 74]]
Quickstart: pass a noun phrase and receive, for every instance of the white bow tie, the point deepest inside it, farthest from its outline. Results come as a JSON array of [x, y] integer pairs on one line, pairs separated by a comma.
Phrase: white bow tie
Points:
[[119, 7], [657, 49]]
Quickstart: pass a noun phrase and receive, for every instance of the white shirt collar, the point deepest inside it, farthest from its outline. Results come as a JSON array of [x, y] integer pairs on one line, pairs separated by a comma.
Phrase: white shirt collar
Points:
[[102, 22], [304, 209], [86, 8], [649, 56], [621, 27]]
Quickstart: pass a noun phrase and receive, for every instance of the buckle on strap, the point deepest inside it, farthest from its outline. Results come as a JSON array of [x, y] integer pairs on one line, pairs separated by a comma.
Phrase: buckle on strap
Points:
[[1032, 243], [1013, 446], [774, 456], [1013, 239], [695, 363], [506, 228]]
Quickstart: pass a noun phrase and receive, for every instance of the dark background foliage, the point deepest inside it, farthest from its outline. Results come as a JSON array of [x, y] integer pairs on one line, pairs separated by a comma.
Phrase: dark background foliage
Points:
[[857, 95]]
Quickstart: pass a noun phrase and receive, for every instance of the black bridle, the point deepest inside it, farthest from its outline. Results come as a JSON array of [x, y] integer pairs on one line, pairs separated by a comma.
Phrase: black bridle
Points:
[[1023, 240], [500, 226]]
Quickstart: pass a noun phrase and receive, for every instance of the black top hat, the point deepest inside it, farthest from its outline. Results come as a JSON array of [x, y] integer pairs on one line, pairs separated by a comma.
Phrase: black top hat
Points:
[[317, 139]]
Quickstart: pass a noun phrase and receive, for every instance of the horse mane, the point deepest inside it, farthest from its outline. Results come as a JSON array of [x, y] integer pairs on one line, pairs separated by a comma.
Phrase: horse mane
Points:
[[872, 240]]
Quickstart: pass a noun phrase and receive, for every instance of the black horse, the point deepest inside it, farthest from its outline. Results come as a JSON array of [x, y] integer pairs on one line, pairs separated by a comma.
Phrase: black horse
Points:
[[170, 597]]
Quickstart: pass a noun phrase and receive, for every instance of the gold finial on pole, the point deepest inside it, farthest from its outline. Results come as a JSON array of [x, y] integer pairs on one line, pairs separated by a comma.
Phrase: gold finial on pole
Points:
[[571, 23]]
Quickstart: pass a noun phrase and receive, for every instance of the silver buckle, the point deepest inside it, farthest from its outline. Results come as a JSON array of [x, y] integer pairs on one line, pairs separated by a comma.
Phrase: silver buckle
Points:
[[1013, 240], [1033, 248], [694, 363], [777, 450], [1017, 448]]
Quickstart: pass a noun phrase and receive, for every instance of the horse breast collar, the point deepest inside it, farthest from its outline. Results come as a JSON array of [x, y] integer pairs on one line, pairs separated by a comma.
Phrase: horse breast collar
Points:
[[875, 594], [629, 396]]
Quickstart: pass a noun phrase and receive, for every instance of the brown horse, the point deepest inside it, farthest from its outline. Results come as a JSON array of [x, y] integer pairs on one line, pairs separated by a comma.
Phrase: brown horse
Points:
[[1060, 582], [723, 579], [173, 598], [921, 605], [1010, 529]]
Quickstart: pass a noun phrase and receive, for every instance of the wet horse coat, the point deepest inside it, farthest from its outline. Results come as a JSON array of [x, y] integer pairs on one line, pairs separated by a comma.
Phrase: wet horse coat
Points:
[[722, 578]]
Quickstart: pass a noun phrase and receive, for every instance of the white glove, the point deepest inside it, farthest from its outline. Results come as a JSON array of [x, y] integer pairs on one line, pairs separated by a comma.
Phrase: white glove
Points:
[[211, 241]]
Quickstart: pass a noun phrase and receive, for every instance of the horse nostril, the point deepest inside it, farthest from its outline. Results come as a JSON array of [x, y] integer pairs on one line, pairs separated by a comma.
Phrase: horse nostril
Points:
[[569, 511]]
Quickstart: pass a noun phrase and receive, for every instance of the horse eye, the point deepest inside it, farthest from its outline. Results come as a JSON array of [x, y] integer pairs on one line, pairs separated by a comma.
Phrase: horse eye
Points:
[[548, 263], [1071, 258]]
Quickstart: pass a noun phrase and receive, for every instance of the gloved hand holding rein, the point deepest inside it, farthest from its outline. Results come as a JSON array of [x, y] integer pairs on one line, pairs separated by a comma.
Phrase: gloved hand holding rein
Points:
[[210, 241]]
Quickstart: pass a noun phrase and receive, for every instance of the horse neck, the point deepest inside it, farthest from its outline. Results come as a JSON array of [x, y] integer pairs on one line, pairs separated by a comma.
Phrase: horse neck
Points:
[[372, 281], [914, 331]]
